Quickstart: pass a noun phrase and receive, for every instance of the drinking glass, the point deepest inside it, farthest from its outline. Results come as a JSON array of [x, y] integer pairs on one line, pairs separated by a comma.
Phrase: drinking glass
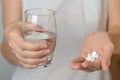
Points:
[[39, 26]]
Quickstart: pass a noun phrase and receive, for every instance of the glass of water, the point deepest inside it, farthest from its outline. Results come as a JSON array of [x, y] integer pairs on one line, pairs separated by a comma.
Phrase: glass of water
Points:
[[40, 25]]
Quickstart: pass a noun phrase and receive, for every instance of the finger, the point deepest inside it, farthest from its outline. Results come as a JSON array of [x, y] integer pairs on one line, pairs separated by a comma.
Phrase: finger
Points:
[[76, 63], [78, 60], [85, 64], [32, 46], [31, 61], [89, 65], [32, 27], [15, 47], [28, 66], [104, 65], [35, 54], [30, 54], [86, 68], [25, 45], [77, 66], [92, 65]]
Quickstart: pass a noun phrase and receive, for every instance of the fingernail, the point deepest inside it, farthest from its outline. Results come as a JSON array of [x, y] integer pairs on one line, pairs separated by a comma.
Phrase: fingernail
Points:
[[47, 51], [34, 66], [43, 59]]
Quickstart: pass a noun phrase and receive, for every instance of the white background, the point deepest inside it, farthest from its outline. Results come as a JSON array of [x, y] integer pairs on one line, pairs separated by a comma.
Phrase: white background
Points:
[[6, 69]]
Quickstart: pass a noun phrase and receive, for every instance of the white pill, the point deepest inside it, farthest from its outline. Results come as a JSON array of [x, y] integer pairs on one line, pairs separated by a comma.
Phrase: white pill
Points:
[[88, 58], [92, 56], [97, 56]]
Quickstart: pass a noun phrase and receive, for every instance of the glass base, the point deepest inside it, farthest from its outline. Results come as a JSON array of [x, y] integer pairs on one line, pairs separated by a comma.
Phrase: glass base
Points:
[[46, 64]]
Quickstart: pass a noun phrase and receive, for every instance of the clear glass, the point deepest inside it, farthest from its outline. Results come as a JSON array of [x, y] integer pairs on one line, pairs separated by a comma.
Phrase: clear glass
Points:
[[40, 25]]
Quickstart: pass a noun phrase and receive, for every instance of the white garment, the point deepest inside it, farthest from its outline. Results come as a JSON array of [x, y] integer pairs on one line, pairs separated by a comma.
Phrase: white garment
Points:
[[75, 19]]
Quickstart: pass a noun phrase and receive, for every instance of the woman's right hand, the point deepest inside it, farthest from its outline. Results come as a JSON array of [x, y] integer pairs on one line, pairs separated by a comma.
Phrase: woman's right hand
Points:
[[29, 54]]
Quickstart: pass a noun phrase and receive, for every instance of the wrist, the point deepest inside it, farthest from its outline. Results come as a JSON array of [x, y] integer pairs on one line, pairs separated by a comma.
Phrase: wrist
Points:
[[115, 39]]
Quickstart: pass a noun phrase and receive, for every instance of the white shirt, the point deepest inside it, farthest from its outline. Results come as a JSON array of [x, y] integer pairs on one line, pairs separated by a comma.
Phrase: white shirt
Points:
[[75, 19]]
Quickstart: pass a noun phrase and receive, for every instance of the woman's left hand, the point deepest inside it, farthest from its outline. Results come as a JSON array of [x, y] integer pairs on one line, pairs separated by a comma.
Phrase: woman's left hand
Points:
[[99, 42]]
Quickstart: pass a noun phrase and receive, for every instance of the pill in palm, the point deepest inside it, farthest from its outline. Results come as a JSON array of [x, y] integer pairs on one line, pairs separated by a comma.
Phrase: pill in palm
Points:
[[92, 56]]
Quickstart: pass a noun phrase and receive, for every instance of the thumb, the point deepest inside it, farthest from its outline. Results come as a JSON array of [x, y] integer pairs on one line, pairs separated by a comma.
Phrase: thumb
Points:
[[78, 60]]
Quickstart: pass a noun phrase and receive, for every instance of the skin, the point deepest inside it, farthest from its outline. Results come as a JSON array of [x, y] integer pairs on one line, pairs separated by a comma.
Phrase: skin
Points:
[[99, 42], [20, 52], [104, 42], [14, 48]]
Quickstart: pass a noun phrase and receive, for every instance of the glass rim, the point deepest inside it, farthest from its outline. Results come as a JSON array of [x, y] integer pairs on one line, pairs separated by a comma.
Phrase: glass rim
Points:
[[45, 9]]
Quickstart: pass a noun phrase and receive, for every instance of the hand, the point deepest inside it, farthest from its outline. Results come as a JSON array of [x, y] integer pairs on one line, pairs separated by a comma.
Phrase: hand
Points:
[[99, 42], [28, 54]]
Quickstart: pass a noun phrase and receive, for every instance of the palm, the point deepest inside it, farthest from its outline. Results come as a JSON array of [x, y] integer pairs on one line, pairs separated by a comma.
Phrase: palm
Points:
[[100, 43]]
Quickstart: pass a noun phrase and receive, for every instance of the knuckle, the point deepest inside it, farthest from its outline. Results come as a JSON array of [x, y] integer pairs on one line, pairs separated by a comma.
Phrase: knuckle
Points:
[[11, 35], [10, 44], [34, 62], [20, 59], [22, 44], [22, 54]]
